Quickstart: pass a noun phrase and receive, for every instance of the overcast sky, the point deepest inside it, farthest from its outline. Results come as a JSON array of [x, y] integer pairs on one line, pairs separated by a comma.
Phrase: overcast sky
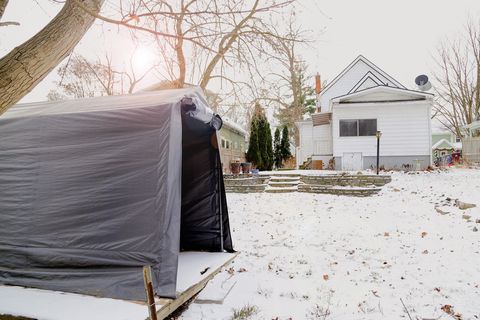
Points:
[[399, 36]]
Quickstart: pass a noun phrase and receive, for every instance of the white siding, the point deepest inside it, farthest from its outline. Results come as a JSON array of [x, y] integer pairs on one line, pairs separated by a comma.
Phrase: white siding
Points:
[[322, 140], [313, 141], [405, 129], [305, 149], [348, 81]]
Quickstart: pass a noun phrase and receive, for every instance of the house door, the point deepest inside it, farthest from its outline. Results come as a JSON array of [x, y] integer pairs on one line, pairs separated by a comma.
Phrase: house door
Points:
[[352, 161]]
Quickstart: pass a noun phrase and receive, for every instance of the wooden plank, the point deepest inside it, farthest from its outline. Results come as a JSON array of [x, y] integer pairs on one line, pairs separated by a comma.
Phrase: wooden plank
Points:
[[147, 279], [171, 305]]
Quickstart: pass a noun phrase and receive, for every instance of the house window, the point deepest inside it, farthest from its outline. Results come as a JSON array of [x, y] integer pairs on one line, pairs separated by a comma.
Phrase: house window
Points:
[[355, 128], [458, 139], [348, 128], [223, 143], [367, 127], [227, 144], [235, 145]]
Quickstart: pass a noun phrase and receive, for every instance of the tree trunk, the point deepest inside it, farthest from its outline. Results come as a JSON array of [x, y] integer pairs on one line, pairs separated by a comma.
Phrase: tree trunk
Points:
[[3, 5], [26, 65]]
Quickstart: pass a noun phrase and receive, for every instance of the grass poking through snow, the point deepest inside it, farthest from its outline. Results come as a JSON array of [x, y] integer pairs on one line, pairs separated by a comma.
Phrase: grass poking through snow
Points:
[[244, 313]]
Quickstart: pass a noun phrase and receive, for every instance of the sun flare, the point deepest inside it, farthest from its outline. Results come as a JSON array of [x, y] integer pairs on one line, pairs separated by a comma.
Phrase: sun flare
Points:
[[143, 58]]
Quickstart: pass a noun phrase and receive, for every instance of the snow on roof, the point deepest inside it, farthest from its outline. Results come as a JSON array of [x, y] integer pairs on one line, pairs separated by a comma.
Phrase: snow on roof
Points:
[[442, 141], [382, 88], [234, 126], [472, 126], [104, 103]]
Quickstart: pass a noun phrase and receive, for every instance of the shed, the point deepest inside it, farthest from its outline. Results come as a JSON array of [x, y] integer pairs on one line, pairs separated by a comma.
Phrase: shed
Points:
[[92, 190]]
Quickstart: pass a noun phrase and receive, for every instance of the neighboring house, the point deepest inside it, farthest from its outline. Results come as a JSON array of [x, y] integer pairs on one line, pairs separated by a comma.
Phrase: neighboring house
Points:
[[473, 129], [233, 144], [471, 142], [444, 143], [360, 101]]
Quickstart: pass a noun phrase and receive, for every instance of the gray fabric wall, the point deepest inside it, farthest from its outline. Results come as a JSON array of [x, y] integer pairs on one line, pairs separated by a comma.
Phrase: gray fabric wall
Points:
[[389, 162], [88, 198], [91, 191]]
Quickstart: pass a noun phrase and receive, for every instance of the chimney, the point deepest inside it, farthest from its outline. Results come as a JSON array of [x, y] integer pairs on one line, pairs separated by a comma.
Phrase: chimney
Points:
[[318, 89]]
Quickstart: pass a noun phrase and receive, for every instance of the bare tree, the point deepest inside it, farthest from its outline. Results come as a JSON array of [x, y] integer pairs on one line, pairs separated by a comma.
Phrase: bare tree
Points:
[[200, 39], [292, 88], [458, 81], [82, 78], [26, 65]]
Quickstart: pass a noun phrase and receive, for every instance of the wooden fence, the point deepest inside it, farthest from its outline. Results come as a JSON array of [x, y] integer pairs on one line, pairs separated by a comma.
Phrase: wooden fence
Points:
[[471, 150]]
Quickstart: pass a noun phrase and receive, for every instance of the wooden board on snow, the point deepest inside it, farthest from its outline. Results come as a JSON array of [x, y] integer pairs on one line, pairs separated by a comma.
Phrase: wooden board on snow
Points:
[[195, 269]]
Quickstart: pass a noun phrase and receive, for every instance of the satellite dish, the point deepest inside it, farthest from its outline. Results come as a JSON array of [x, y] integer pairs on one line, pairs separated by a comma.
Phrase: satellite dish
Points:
[[423, 83]]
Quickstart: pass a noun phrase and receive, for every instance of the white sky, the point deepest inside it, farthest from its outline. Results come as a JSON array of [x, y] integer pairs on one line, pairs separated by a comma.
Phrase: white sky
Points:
[[398, 36]]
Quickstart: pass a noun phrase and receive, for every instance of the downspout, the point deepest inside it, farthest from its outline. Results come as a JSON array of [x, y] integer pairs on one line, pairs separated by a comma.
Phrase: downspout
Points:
[[429, 106]]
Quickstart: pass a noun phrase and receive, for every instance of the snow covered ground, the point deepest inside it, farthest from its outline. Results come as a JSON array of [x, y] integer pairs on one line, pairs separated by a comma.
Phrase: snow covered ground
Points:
[[308, 256]]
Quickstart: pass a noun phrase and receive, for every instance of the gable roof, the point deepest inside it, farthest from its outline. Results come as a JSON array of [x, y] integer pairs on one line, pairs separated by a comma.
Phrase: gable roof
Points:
[[371, 65], [368, 77], [443, 142], [413, 94]]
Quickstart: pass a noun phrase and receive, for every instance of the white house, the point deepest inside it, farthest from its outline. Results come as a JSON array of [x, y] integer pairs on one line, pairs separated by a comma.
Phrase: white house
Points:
[[360, 101]]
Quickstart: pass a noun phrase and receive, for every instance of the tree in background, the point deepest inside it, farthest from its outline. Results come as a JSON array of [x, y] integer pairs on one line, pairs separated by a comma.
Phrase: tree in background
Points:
[[253, 153], [199, 39], [277, 154], [458, 81], [268, 148], [285, 144], [82, 78], [27, 64], [260, 151], [292, 91]]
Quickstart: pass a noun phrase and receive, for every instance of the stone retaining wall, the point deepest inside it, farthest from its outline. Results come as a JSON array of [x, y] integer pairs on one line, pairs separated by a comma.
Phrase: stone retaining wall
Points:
[[246, 181], [356, 192], [246, 188], [359, 180]]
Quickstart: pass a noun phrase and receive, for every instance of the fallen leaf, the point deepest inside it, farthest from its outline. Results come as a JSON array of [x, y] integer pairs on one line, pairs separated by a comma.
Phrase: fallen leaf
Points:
[[424, 234], [386, 234], [231, 271], [425, 252], [447, 309], [325, 277]]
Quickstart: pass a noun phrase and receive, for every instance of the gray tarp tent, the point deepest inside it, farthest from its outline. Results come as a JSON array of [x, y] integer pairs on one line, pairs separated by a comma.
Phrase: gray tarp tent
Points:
[[92, 190]]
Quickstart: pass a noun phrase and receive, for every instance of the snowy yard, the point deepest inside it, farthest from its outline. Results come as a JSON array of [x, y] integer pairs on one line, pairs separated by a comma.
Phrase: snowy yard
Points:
[[308, 256]]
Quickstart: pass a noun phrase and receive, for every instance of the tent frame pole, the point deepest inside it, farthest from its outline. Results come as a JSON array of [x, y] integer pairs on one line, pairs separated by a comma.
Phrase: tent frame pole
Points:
[[218, 191]]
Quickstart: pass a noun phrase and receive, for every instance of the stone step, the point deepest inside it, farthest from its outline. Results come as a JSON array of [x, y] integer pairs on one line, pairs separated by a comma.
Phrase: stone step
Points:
[[284, 179], [281, 190], [282, 184], [296, 175]]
